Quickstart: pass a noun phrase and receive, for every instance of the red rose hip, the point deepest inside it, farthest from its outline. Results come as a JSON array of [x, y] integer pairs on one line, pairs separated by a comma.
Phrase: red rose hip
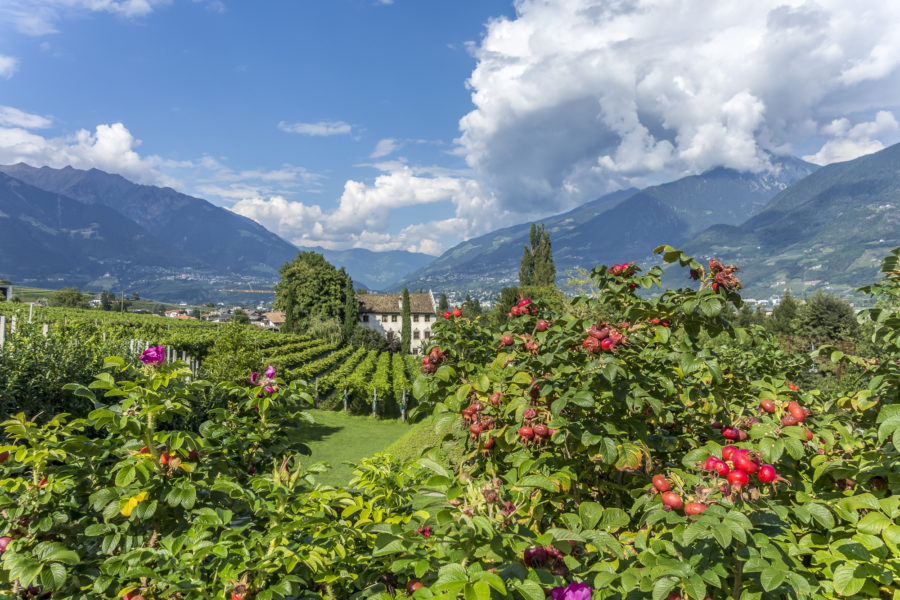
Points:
[[660, 483]]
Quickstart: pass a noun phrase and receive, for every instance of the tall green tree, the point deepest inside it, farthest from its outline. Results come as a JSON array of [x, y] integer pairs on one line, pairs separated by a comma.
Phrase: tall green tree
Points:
[[443, 304], [68, 297], [824, 317], [526, 265], [471, 308], [406, 331], [784, 316], [536, 267], [544, 269], [351, 311], [107, 298], [311, 289]]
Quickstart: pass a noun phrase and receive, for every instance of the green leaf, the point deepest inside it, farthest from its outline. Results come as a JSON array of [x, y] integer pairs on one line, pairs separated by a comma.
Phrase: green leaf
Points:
[[873, 523], [821, 514], [711, 306], [531, 590], [433, 467], [538, 481], [451, 573], [493, 580], [846, 583], [590, 513], [771, 578], [125, 476], [662, 587], [386, 543]]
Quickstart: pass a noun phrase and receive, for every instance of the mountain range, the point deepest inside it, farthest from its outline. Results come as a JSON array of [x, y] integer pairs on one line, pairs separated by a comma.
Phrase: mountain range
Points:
[[828, 231], [623, 226], [98, 230], [796, 226]]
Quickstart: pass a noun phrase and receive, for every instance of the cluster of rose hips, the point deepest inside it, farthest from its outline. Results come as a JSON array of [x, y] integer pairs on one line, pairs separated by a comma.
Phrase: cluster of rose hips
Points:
[[723, 276], [454, 313], [625, 270], [478, 423], [663, 322], [531, 345], [603, 336], [550, 556], [523, 309], [737, 465], [672, 501], [530, 432], [430, 363]]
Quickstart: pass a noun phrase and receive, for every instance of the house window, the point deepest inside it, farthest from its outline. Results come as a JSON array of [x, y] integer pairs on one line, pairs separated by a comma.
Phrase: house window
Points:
[[365, 318], [393, 318], [427, 320], [416, 334], [415, 318], [427, 334]]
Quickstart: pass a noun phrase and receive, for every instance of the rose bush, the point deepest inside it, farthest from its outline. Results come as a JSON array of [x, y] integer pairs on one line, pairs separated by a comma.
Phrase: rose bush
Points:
[[632, 447], [806, 508]]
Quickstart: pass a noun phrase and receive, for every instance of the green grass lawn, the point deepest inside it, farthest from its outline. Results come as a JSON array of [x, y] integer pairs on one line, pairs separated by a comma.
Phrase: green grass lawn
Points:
[[337, 437]]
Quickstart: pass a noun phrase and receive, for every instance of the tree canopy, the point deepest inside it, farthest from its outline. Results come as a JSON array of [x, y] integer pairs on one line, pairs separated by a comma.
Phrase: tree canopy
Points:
[[536, 266], [68, 297], [405, 333], [311, 289]]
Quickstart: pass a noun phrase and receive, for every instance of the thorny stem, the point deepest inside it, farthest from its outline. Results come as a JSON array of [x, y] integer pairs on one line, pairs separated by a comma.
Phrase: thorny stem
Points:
[[738, 576]]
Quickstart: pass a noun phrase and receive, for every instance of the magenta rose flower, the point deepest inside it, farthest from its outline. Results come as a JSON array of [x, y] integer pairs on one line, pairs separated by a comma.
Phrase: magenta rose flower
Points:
[[574, 591], [254, 378], [154, 355], [270, 372]]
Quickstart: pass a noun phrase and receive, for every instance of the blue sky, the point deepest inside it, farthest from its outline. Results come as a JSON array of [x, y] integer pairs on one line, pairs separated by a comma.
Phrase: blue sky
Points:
[[415, 124]]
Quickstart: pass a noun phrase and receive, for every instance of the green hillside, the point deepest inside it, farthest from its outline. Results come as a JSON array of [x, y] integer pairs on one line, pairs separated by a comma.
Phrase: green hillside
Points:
[[827, 232]]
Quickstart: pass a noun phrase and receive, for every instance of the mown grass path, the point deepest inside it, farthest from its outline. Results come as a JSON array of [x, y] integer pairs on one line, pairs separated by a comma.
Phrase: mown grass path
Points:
[[336, 437]]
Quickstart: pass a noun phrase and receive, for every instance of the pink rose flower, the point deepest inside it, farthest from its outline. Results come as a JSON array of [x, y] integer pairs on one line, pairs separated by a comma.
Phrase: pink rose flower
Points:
[[270, 372], [574, 591], [254, 378], [154, 355]]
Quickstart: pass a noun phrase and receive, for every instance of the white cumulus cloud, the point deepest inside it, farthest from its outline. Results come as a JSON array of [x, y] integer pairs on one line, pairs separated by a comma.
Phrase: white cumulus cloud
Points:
[[13, 117], [8, 66], [110, 147], [320, 128], [40, 17], [850, 141], [363, 215], [574, 98], [384, 147]]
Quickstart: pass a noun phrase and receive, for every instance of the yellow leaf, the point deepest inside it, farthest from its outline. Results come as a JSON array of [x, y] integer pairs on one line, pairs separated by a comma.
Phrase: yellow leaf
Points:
[[132, 503]]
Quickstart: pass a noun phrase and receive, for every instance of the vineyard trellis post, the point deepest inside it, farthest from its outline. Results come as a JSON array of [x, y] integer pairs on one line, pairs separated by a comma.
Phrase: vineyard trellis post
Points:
[[374, 402], [316, 398], [403, 407], [30, 312], [2, 331], [45, 329], [345, 398], [12, 325]]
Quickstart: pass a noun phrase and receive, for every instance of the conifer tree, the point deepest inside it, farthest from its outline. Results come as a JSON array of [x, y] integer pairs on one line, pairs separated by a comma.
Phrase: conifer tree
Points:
[[526, 266], [351, 311], [406, 332], [544, 269], [443, 304], [536, 267]]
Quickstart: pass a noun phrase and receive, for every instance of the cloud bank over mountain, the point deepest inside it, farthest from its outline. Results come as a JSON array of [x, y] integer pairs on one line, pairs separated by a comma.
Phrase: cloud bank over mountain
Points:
[[571, 99]]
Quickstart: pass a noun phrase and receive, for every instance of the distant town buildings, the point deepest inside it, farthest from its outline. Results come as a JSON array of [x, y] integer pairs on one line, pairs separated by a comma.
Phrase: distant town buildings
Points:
[[384, 314]]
